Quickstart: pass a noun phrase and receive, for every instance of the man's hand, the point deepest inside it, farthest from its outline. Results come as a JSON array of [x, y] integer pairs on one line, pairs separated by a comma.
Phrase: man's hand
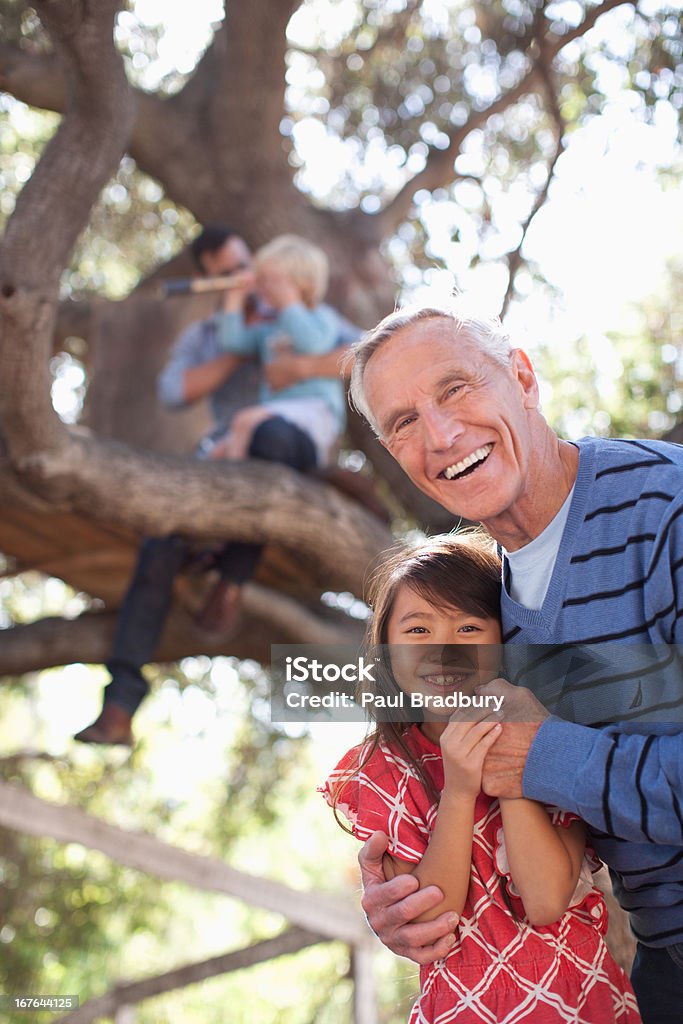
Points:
[[391, 906], [287, 368], [522, 716]]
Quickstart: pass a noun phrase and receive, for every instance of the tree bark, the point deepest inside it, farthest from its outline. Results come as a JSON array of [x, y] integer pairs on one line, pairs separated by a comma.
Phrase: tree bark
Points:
[[217, 148]]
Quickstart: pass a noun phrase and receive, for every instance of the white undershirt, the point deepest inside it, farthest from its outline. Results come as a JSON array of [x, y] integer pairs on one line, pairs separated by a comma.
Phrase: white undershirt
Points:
[[532, 566]]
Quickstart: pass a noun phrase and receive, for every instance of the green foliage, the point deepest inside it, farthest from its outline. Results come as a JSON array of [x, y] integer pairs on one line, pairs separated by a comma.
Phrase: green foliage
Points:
[[402, 76], [627, 383], [210, 774], [20, 24], [64, 912], [132, 229]]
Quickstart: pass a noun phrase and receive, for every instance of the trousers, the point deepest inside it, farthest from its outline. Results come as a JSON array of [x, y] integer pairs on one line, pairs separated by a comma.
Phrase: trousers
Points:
[[148, 599], [657, 979]]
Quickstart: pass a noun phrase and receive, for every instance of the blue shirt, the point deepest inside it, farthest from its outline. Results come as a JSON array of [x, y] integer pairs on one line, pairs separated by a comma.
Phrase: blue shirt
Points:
[[199, 344], [617, 579]]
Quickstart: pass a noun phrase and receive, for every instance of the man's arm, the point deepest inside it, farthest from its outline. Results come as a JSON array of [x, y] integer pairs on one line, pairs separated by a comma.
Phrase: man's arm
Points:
[[392, 906], [625, 783], [628, 784], [201, 381], [291, 367], [186, 377]]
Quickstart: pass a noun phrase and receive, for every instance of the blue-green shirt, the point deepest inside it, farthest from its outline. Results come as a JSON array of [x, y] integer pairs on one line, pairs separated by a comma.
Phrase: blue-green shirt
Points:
[[306, 331]]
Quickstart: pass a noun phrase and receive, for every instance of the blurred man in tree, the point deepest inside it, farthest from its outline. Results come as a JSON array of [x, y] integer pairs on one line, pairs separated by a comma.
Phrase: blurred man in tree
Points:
[[200, 368]]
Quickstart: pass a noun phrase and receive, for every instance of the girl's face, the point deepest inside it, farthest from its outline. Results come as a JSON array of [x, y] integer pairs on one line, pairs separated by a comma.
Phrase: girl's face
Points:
[[440, 649]]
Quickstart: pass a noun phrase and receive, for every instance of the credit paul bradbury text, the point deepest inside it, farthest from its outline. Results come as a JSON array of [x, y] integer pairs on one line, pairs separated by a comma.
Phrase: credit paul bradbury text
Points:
[[339, 684], [397, 701], [584, 683]]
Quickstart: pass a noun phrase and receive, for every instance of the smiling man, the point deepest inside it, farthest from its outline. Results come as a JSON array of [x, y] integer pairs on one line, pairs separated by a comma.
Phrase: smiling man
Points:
[[592, 541]]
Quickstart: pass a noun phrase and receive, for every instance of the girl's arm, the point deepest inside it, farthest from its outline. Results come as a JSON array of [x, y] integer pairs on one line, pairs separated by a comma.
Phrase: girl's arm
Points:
[[545, 860], [447, 859]]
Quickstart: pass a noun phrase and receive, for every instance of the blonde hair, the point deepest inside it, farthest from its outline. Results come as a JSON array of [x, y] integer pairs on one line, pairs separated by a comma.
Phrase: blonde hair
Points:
[[305, 263]]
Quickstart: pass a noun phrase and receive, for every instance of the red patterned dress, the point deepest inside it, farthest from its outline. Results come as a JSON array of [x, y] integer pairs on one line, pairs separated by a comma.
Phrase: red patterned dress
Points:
[[501, 970]]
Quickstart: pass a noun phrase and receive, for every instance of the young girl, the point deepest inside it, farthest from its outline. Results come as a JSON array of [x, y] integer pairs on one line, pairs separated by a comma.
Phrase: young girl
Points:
[[529, 946]]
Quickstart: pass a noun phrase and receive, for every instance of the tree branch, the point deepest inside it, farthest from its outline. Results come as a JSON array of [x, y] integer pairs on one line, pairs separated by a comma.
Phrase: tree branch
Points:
[[103, 479], [514, 258], [74, 319], [74, 166], [33, 78], [287, 942], [79, 158], [112, 484], [438, 169], [269, 618]]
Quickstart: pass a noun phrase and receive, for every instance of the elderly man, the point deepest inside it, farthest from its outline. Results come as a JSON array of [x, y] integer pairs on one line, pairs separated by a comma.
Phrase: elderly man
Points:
[[592, 542]]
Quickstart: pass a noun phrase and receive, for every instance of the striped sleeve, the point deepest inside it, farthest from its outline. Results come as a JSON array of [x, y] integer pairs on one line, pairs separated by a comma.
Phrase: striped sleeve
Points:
[[664, 587], [630, 785]]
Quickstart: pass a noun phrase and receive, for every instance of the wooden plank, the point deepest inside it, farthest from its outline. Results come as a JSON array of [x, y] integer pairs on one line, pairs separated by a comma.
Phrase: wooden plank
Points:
[[126, 996], [323, 913]]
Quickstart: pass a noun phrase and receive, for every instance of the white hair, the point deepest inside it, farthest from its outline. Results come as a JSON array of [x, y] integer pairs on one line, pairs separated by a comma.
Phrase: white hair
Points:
[[487, 333]]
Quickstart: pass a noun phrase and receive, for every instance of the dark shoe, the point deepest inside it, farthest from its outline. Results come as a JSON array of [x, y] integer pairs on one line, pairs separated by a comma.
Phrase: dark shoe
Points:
[[112, 726], [220, 613]]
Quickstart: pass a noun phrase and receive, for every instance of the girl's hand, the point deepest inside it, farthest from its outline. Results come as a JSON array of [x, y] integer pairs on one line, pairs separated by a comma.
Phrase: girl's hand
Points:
[[464, 746]]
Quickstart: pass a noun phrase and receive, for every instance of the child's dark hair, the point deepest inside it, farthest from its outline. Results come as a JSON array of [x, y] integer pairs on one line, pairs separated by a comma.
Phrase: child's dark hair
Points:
[[460, 570]]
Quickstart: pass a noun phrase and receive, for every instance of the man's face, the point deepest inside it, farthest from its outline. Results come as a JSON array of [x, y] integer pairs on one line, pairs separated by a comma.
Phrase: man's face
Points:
[[455, 419], [232, 257]]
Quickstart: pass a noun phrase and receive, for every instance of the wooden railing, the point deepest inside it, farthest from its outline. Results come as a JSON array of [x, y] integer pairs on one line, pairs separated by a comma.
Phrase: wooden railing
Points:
[[312, 917]]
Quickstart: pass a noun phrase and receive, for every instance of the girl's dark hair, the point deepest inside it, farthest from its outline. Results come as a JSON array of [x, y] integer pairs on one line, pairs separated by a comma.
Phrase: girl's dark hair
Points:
[[459, 570]]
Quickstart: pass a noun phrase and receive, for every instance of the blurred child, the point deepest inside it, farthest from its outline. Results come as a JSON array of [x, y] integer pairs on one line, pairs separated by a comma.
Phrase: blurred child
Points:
[[529, 946], [291, 276]]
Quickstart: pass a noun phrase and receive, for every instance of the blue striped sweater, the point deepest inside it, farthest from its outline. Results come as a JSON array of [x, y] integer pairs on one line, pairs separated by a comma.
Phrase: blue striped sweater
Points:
[[618, 577]]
